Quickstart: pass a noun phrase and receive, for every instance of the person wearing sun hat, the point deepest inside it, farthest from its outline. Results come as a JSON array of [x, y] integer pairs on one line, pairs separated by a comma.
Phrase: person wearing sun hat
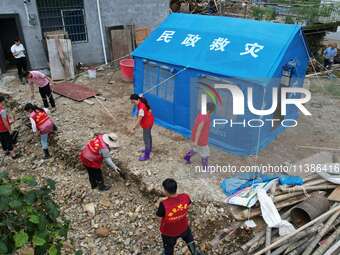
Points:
[[94, 153]]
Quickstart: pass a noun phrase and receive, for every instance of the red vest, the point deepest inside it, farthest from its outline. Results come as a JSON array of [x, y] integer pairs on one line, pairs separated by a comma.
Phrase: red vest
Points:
[[147, 120], [90, 154], [2, 125], [39, 117], [203, 140], [175, 222]]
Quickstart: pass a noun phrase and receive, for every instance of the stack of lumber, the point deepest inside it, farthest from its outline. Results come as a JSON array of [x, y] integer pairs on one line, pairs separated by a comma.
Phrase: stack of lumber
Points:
[[320, 236], [285, 197], [317, 236]]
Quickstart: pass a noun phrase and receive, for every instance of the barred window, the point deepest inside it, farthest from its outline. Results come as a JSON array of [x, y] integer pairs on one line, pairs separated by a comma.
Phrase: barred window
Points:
[[67, 15]]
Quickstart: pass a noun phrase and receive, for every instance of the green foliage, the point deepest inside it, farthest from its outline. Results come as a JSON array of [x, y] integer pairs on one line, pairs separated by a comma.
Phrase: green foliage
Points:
[[257, 12], [270, 13], [20, 239], [263, 13], [29, 217], [308, 11], [289, 20]]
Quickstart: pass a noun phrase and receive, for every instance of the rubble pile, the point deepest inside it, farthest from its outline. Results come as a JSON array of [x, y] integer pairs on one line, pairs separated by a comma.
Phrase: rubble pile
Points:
[[314, 215]]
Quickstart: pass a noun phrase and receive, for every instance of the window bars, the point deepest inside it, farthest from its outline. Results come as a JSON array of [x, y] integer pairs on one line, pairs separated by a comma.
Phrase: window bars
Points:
[[66, 15]]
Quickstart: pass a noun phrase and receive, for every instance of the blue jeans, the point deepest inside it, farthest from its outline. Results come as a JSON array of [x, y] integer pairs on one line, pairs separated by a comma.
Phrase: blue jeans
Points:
[[44, 141]]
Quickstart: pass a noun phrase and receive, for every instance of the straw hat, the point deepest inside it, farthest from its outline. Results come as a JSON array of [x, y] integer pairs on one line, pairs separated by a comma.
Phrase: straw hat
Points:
[[111, 139]]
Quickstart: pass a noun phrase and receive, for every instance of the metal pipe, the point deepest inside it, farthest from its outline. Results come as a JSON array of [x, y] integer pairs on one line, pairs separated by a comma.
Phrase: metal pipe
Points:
[[27, 14], [101, 31]]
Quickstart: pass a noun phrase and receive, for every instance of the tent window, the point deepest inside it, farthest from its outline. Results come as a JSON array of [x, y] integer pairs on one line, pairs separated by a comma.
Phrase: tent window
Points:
[[153, 75], [166, 90], [150, 78]]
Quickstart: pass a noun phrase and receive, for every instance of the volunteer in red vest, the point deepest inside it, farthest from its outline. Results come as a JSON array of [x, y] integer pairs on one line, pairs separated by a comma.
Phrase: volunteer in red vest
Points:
[[43, 82], [200, 136], [5, 130], [41, 124], [94, 153], [145, 120], [175, 222]]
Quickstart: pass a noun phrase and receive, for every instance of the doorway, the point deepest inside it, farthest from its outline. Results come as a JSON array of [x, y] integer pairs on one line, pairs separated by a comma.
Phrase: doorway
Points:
[[10, 29]]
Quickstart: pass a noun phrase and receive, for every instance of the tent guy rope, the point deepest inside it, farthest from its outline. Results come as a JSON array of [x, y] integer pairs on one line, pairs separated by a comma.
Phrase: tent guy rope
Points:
[[164, 81]]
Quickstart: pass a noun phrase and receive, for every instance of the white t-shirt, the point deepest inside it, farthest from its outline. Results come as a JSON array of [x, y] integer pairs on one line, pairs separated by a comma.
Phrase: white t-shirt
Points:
[[18, 51], [33, 124], [141, 113]]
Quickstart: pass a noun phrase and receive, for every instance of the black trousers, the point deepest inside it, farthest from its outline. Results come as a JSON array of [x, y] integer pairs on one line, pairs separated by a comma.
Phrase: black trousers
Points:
[[21, 64], [95, 177], [327, 63], [169, 242], [6, 141], [46, 95]]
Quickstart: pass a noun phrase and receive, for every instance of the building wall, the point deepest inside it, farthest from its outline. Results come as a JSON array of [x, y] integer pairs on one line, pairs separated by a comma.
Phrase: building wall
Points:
[[32, 34], [114, 12]]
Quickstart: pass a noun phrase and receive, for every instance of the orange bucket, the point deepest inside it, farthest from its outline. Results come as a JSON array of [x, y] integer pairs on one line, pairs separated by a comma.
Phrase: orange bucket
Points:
[[126, 69]]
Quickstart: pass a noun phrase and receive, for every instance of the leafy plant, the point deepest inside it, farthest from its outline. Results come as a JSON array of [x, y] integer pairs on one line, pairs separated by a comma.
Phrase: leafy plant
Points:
[[258, 12], [29, 217], [270, 13]]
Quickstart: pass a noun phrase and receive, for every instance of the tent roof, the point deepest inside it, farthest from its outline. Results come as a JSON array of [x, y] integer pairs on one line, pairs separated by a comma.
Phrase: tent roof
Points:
[[228, 58]]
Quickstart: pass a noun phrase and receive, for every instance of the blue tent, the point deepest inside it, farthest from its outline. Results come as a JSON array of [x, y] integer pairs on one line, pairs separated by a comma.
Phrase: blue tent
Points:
[[189, 55]]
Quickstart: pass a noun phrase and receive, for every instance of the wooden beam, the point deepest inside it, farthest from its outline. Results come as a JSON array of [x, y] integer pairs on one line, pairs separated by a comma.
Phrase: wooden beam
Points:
[[283, 239]]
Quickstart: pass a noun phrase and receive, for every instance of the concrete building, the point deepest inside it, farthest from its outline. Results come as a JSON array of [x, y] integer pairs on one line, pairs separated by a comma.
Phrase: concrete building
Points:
[[29, 19]]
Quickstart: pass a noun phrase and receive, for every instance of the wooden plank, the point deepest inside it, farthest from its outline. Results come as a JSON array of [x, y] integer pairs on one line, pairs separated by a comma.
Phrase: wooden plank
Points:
[[141, 33], [286, 237], [335, 195], [318, 148], [120, 42], [89, 102], [58, 34], [101, 98], [60, 59]]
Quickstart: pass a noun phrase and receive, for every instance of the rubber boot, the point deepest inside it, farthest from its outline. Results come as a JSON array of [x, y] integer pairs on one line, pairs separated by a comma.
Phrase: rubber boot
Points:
[[193, 249], [103, 187], [205, 162], [46, 154], [143, 149], [146, 156], [188, 156]]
